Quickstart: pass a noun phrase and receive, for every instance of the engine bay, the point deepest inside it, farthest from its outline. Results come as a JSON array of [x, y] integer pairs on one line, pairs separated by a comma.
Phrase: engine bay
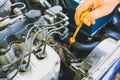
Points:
[[34, 42]]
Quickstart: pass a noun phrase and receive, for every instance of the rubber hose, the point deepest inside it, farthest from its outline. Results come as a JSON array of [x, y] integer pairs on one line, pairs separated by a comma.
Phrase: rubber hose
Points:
[[85, 47], [81, 46]]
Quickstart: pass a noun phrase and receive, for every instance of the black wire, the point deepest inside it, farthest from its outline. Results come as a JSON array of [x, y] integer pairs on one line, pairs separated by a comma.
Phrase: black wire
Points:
[[45, 39], [30, 56], [48, 25], [64, 3], [20, 62], [41, 31], [32, 44], [53, 24]]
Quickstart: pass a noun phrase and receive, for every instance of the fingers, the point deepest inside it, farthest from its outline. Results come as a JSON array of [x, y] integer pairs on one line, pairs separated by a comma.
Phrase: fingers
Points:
[[82, 8], [101, 8], [95, 14]]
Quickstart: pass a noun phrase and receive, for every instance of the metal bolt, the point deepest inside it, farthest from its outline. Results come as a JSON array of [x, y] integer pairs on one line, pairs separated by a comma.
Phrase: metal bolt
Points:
[[23, 37], [2, 50], [89, 38], [17, 11], [119, 9]]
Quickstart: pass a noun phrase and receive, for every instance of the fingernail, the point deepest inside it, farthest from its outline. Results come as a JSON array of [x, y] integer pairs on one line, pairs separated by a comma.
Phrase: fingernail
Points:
[[93, 22], [86, 22]]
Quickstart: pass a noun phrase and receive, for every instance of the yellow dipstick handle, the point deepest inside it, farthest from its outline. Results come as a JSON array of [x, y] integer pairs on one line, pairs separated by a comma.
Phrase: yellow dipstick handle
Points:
[[72, 39]]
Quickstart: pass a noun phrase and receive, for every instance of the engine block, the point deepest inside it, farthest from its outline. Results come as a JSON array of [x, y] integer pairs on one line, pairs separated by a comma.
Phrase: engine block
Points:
[[25, 41]]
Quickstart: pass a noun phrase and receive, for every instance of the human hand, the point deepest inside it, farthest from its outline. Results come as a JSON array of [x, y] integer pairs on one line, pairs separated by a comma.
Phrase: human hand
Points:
[[100, 8]]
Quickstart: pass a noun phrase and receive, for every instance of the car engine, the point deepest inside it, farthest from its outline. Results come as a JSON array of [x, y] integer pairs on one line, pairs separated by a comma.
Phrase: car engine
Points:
[[34, 42]]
